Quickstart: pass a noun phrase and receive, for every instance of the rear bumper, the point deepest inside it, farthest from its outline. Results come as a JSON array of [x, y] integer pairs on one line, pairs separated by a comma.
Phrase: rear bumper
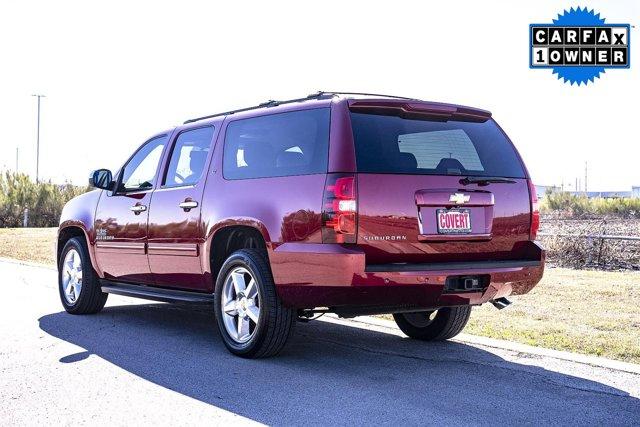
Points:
[[328, 275]]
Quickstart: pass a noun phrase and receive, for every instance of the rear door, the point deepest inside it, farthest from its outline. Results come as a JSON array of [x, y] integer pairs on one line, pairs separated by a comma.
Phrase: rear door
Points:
[[175, 229], [417, 199]]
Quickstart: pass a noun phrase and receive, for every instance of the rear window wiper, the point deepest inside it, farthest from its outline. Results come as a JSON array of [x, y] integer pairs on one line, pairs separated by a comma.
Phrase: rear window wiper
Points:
[[485, 180]]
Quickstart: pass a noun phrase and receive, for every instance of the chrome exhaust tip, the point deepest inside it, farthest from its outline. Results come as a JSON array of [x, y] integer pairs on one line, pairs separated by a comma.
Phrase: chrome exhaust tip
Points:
[[500, 303]]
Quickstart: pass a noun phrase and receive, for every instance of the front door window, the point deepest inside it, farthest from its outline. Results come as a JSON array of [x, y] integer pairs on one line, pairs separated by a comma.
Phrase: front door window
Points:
[[141, 170]]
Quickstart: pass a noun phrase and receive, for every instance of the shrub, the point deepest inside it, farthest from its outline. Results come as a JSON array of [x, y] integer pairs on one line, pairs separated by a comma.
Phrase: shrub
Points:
[[580, 206], [44, 200]]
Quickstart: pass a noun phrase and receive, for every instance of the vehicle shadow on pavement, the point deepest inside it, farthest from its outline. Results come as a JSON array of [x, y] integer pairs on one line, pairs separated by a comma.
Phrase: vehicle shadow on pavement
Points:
[[334, 374]]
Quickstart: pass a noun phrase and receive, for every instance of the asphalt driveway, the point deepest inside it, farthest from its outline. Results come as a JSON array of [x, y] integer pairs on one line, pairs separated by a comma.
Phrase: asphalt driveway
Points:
[[139, 362]]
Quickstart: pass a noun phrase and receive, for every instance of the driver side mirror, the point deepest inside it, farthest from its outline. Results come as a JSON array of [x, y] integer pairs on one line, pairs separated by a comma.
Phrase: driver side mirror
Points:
[[102, 179]]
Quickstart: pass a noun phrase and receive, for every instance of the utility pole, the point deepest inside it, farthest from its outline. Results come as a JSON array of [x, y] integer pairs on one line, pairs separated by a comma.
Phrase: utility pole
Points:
[[17, 150], [585, 176], [38, 139]]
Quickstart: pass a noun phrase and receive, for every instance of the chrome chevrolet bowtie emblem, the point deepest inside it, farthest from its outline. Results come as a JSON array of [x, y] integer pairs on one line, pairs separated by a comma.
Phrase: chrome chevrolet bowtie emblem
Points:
[[459, 198]]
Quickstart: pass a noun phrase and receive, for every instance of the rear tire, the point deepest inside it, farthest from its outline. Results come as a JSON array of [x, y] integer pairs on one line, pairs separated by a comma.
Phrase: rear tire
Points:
[[251, 318], [437, 325], [78, 283]]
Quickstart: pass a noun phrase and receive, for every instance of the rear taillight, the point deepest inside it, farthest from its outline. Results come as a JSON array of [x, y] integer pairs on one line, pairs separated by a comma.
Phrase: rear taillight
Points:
[[535, 212], [339, 209]]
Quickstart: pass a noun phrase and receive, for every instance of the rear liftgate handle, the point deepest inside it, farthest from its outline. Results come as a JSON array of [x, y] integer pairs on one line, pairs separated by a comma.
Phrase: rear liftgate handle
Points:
[[435, 199]]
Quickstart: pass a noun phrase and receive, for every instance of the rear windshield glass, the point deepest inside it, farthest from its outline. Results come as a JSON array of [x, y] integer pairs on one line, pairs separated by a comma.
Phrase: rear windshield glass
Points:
[[391, 144], [285, 144]]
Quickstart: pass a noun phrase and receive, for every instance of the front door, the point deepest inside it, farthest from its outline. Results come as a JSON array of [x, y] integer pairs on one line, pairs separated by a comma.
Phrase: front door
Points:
[[122, 216], [175, 229]]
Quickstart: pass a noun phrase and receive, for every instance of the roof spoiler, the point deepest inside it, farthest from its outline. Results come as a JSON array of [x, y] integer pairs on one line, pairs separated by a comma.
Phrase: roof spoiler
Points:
[[420, 110]]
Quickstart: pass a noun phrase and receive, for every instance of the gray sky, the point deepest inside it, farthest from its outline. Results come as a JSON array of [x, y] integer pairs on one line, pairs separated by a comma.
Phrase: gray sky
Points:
[[116, 72]]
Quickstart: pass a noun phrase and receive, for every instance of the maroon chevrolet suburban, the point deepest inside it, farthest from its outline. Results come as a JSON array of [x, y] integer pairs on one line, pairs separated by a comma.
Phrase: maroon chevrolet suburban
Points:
[[354, 204]]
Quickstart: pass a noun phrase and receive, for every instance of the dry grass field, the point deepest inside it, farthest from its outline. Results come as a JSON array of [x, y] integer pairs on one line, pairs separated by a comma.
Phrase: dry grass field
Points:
[[28, 244], [591, 312]]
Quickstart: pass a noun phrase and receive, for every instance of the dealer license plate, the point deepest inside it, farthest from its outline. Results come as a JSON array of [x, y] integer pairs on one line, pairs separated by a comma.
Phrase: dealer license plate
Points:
[[451, 221]]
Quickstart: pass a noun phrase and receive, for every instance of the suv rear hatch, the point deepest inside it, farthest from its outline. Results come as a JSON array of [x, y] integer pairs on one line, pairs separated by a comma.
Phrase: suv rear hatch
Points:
[[438, 183]]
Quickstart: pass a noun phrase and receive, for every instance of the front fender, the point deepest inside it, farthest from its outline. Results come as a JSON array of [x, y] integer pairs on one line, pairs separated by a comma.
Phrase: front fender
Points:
[[79, 214]]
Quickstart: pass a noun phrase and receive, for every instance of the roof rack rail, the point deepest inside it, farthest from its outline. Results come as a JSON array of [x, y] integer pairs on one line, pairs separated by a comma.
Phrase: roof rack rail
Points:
[[269, 103], [322, 92], [273, 103]]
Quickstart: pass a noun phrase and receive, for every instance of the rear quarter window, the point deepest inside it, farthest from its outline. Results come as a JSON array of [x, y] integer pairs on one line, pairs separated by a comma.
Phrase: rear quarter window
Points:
[[284, 144], [391, 144]]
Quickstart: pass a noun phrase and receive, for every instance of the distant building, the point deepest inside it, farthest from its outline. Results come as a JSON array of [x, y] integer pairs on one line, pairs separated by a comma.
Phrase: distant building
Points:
[[541, 191], [604, 194]]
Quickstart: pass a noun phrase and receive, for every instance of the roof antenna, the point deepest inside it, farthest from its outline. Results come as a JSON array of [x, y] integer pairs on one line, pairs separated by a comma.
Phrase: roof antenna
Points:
[[270, 103]]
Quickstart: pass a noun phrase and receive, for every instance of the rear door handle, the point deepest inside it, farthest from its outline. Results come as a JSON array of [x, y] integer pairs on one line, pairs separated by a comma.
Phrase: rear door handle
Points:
[[136, 209], [187, 205]]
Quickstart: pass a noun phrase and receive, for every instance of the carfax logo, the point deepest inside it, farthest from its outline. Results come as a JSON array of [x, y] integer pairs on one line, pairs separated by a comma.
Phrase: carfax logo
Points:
[[579, 46]]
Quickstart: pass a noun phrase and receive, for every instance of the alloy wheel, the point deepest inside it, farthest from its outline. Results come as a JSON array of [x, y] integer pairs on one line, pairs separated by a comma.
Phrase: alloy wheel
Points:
[[240, 305], [72, 276]]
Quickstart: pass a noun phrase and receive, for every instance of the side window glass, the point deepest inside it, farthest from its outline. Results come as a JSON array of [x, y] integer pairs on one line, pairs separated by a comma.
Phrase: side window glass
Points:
[[283, 144], [188, 157], [140, 172]]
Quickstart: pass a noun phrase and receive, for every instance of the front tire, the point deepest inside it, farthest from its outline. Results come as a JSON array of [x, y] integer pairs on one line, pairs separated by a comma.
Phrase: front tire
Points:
[[436, 325], [78, 284], [251, 318]]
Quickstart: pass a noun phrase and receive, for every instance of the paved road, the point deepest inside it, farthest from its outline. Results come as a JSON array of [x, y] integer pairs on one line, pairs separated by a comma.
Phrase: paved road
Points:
[[156, 363]]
